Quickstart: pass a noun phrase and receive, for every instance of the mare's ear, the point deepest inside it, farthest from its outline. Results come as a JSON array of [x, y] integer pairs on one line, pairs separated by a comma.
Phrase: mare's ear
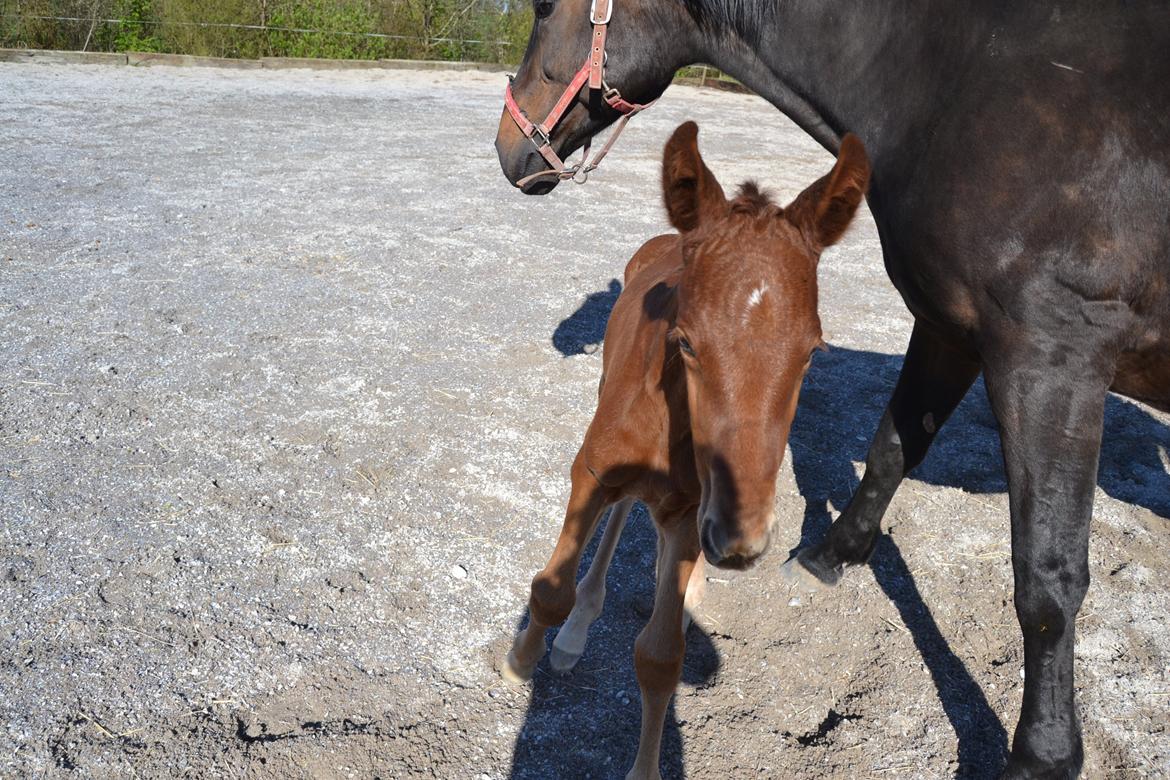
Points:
[[689, 188], [826, 207]]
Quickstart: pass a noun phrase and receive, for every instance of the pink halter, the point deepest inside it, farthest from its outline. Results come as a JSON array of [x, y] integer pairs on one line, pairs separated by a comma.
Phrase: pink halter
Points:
[[593, 72]]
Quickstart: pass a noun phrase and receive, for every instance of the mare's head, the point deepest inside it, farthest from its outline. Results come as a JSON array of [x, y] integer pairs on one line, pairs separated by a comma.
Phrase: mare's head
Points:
[[643, 49], [747, 327]]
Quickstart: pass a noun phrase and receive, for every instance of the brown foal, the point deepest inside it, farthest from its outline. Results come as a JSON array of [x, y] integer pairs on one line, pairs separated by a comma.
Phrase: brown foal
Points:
[[704, 356]]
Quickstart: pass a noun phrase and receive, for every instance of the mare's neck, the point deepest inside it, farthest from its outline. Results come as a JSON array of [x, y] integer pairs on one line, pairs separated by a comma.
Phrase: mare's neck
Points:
[[877, 68]]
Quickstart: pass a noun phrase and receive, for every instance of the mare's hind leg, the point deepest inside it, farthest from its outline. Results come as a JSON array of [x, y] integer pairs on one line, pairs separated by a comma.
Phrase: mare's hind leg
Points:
[[553, 587], [569, 644], [933, 381], [658, 652]]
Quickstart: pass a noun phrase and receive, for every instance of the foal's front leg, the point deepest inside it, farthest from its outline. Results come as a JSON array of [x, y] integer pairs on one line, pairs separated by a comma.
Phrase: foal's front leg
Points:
[[553, 588], [659, 649]]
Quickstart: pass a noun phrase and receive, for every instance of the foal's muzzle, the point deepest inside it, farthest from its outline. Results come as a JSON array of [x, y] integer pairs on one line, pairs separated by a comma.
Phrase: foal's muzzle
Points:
[[731, 551]]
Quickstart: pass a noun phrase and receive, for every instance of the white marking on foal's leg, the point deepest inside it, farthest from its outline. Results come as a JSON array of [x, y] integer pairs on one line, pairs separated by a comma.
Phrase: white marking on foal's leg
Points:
[[526, 652], [569, 645], [696, 590]]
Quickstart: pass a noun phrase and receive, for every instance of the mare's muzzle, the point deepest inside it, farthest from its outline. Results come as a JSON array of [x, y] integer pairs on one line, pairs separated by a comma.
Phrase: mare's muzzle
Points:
[[592, 74]]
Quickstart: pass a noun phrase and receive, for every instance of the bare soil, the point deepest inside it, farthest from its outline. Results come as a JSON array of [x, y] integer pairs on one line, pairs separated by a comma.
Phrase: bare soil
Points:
[[290, 383]]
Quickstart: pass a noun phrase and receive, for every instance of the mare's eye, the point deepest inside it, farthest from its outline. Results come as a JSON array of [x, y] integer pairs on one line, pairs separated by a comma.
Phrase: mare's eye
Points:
[[686, 347], [544, 8]]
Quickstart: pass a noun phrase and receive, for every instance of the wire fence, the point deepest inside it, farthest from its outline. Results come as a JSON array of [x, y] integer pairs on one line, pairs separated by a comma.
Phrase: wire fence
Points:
[[476, 30], [461, 43], [248, 40]]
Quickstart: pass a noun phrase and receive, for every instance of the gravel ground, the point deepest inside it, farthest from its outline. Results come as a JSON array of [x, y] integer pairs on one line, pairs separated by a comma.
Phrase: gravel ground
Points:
[[290, 386]]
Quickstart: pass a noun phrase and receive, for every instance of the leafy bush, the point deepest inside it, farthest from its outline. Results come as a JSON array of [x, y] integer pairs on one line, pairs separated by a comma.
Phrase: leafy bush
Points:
[[483, 30], [340, 23], [135, 31]]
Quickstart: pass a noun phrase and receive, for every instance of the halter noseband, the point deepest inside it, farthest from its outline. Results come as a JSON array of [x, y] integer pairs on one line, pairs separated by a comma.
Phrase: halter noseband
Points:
[[593, 73]]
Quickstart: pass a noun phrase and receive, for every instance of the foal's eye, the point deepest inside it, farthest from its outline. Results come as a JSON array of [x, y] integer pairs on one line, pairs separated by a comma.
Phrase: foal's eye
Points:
[[686, 347], [543, 8]]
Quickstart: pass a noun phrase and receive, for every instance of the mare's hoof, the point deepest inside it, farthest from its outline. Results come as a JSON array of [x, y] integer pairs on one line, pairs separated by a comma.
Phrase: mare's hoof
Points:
[[801, 571], [562, 661], [514, 672], [1019, 768], [1020, 772]]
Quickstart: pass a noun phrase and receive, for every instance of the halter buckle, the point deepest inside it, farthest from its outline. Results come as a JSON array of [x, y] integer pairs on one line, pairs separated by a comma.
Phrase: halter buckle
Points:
[[607, 4], [539, 138]]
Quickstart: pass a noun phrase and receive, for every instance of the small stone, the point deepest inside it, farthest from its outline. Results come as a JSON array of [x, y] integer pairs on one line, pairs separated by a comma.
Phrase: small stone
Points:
[[794, 601], [459, 572], [1021, 672]]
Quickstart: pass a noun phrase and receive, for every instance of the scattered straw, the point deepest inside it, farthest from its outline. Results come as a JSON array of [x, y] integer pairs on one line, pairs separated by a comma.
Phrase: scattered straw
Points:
[[143, 633]]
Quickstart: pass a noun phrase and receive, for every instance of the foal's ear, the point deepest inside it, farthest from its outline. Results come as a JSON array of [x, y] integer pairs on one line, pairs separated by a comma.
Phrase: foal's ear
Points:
[[689, 188], [827, 206]]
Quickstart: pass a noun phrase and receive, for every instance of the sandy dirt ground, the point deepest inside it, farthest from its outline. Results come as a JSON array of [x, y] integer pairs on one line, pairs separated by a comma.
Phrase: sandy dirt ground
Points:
[[290, 383]]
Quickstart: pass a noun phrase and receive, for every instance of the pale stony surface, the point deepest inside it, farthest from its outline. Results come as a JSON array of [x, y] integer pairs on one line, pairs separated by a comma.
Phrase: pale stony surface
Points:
[[290, 384]]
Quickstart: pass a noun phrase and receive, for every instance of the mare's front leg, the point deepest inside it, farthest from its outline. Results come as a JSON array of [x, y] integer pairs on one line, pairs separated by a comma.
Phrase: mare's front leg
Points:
[[1050, 406], [659, 649], [569, 645], [934, 379], [553, 593]]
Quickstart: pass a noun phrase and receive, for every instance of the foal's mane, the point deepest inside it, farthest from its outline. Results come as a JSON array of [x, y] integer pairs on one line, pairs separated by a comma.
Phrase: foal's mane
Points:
[[752, 201]]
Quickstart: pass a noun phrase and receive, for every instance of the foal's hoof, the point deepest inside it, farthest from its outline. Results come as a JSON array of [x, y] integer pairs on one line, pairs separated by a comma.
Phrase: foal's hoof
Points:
[[563, 661], [802, 571], [516, 673]]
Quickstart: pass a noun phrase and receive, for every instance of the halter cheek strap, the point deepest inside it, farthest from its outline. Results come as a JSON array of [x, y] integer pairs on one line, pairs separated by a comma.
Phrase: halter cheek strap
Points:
[[593, 74]]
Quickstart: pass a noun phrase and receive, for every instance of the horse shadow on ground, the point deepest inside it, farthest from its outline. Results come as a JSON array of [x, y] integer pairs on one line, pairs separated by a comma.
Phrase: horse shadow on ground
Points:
[[841, 402], [585, 724]]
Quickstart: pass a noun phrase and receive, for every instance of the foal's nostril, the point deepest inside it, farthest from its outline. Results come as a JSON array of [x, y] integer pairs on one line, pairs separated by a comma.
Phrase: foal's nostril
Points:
[[707, 541]]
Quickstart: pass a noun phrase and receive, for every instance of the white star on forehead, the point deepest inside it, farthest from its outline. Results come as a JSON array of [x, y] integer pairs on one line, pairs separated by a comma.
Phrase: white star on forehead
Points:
[[757, 295]]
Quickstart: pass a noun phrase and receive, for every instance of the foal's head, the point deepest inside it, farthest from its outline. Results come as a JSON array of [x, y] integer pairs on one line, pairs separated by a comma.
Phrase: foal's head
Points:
[[746, 328]]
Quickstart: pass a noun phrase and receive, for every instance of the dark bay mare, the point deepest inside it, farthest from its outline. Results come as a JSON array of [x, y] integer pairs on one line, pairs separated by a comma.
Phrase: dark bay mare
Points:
[[1021, 188]]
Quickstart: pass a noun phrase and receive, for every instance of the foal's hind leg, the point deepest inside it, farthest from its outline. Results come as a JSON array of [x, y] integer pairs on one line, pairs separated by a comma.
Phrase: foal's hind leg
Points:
[[553, 587], [658, 652], [569, 644], [696, 590], [933, 381]]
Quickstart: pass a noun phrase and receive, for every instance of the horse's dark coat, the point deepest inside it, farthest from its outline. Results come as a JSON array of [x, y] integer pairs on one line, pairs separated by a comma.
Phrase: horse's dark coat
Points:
[[1021, 188]]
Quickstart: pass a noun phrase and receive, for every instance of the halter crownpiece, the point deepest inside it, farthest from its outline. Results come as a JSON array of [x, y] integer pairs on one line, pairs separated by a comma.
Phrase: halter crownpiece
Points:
[[593, 74]]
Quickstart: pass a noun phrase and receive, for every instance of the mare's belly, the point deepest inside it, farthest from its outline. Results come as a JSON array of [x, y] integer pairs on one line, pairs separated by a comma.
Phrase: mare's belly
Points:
[[1145, 375]]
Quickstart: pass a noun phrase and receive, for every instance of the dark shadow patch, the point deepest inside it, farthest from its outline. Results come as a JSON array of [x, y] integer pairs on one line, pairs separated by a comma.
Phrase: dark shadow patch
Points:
[[831, 721], [582, 332]]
